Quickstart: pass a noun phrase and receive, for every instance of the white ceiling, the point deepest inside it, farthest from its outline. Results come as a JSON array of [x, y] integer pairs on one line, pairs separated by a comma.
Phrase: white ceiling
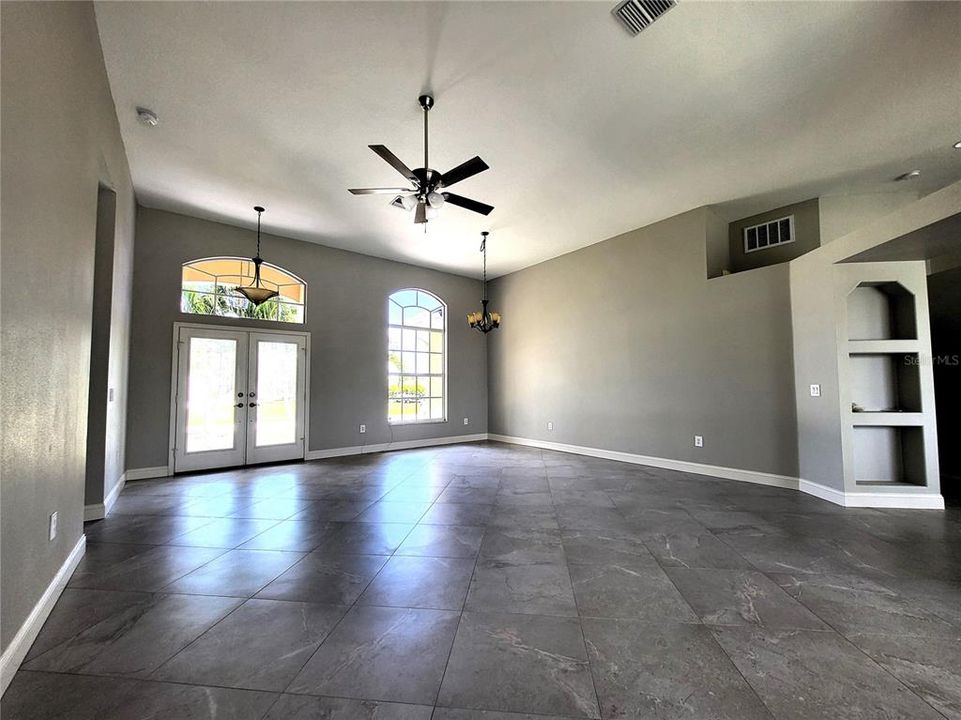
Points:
[[588, 131]]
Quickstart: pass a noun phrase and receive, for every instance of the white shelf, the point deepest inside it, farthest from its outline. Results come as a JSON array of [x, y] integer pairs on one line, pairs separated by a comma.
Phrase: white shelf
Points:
[[887, 419], [882, 347]]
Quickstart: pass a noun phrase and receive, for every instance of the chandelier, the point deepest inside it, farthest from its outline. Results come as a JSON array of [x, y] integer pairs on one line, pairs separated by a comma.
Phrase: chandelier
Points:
[[255, 293], [485, 321]]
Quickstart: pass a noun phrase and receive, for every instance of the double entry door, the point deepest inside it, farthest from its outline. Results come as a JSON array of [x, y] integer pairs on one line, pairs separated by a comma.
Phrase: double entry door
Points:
[[240, 397]]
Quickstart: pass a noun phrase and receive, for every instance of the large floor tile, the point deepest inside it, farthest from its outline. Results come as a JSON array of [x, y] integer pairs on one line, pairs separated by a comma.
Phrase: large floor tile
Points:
[[224, 533], [461, 714], [442, 541], [702, 550], [522, 546], [386, 511], [293, 536], [148, 571], [305, 707], [741, 597], [519, 663], [543, 589], [596, 547], [52, 696], [854, 604], [442, 513], [420, 582], [366, 538], [666, 670], [262, 645], [236, 573], [79, 609], [136, 641], [377, 653], [615, 591], [931, 667], [805, 675], [141, 529], [326, 579]]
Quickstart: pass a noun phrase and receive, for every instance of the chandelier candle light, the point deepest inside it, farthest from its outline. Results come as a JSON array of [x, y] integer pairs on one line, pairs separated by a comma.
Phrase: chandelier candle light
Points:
[[255, 293], [485, 321]]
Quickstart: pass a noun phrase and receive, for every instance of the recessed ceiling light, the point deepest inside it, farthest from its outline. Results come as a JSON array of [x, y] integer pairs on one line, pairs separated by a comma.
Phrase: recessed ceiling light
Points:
[[907, 176], [147, 117]]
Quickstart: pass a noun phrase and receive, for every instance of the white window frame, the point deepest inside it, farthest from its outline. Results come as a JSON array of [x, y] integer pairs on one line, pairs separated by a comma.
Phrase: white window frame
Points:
[[402, 327], [247, 264], [767, 224]]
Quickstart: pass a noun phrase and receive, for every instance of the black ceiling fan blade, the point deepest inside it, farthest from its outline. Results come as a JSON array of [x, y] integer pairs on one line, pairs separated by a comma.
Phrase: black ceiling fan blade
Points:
[[468, 204], [420, 215], [382, 191], [463, 171], [395, 162]]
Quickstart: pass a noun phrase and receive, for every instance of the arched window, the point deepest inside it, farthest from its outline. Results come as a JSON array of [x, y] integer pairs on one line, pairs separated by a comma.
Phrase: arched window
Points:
[[416, 357], [207, 287]]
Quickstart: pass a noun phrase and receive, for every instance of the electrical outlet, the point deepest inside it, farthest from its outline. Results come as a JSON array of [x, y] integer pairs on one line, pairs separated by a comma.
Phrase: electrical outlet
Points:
[[699, 441], [550, 427], [53, 526], [467, 421], [363, 429], [815, 391]]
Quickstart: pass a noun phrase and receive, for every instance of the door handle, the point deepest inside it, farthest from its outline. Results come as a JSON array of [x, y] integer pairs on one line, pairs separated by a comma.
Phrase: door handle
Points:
[[239, 405], [253, 405]]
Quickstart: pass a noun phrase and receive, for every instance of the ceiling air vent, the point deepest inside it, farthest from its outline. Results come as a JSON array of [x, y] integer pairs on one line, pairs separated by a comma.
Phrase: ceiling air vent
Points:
[[635, 15]]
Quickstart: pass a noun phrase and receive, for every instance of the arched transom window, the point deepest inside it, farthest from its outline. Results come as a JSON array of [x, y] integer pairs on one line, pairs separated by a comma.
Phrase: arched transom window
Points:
[[208, 287], [416, 357]]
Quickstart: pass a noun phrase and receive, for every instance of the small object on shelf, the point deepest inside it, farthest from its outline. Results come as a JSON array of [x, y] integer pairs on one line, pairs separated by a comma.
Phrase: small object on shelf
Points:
[[856, 408]]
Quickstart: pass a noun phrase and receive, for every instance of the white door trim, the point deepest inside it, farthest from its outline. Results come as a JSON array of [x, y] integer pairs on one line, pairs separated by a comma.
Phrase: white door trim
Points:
[[174, 360]]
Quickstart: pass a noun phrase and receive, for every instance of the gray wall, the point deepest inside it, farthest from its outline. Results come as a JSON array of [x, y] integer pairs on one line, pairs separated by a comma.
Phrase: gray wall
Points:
[[60, 141], [807, 237], [625, 345], [346, 315], [944, 303]]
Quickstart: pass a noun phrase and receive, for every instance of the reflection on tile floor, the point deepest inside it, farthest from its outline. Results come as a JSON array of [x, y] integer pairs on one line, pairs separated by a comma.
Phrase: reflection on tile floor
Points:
[[495, 582]]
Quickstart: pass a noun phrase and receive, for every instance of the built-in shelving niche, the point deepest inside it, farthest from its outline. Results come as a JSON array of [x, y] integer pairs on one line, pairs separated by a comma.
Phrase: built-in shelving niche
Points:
[[881, 311], [885, 383], [889, 456]]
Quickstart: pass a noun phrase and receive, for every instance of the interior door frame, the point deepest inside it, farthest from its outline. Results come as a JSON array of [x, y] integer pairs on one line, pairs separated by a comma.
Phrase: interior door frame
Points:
[[175, 363]]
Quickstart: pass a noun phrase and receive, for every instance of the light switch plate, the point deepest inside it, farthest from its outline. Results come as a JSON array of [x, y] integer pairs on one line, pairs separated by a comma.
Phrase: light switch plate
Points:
[[815, 391]]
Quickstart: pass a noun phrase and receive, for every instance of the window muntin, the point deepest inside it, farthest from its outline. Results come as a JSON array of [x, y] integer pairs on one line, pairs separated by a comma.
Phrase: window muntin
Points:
[[416, 357], [207, 287], [768, 234]]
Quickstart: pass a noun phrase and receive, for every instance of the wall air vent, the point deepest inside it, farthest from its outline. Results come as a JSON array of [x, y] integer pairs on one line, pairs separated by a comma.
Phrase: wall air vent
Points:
[[635, 15]]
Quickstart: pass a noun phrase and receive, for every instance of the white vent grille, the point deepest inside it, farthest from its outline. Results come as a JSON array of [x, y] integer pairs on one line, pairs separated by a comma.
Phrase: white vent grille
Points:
[[635, 15], [769, 234]]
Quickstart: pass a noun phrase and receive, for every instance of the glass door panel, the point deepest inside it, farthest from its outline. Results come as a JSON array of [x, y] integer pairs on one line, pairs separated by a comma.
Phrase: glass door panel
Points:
[[275, 424], [210, 412]]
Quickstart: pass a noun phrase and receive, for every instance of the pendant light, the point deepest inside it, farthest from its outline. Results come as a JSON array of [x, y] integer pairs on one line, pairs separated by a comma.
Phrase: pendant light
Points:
[[255, 293], [484, 320]]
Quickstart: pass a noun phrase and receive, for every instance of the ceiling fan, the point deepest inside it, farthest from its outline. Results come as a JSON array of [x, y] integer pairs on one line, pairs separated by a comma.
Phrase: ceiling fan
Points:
[[430, 187]]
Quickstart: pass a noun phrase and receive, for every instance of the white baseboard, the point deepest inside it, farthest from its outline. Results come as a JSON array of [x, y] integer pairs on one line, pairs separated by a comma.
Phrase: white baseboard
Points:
[[398, 445], [99, 511], [147, 473], [906, 500], [717, 471], [20, 645]]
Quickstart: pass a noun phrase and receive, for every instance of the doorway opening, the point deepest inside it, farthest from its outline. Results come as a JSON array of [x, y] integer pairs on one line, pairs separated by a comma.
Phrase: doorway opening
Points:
[[944, 303], [239, 397]]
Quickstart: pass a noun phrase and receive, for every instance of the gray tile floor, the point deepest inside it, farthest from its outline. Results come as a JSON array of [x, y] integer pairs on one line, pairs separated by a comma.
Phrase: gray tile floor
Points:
[[489, 582]]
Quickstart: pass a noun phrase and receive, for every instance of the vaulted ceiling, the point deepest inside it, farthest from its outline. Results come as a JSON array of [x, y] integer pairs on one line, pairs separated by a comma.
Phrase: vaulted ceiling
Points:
[[589, 132]]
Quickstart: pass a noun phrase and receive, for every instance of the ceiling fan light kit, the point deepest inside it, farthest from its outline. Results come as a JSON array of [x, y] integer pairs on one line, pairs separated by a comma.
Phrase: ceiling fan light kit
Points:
[[429, 192]]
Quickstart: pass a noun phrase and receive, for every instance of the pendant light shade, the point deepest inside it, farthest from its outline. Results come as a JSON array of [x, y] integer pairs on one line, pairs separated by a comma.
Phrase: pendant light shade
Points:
[[255, 293], [485, 320]]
